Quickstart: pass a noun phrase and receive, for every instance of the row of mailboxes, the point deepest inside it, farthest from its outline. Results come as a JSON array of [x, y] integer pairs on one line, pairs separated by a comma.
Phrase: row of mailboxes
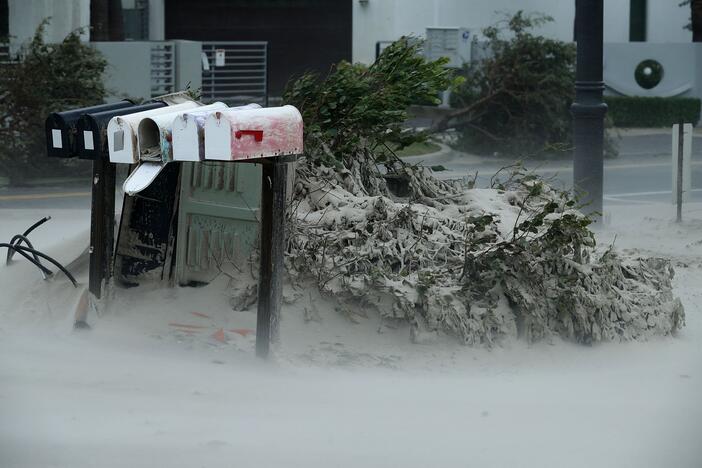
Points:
[[63, 135], [151, 136], [92, 129], [155, 134], [124, 132]]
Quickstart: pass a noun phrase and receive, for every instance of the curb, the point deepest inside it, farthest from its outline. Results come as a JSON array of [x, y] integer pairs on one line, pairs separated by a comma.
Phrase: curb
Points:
[[633, 132], [42, 182]]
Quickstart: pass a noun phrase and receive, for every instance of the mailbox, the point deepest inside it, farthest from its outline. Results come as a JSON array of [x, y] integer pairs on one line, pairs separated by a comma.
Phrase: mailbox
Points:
[[189, 133], [232, 135], [155, 134], [61, 128], [122, 132], [92, 130]]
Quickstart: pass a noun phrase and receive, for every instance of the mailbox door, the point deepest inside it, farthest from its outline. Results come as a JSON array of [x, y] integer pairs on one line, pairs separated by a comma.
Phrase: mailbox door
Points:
[[218, 211]]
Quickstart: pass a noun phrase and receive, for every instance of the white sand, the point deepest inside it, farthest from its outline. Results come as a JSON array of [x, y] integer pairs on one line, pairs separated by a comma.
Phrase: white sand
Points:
[[136, 392]]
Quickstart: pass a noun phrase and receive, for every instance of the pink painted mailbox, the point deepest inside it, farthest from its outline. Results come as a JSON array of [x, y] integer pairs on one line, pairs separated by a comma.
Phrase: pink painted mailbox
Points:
[[232, 135]]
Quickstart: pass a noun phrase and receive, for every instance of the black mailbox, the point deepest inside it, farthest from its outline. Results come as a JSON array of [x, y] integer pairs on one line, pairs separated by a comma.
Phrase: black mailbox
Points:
[[61, 128], [92, 129]]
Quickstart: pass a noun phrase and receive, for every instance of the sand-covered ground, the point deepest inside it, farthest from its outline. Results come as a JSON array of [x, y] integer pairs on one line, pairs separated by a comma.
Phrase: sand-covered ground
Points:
[[167, 377]]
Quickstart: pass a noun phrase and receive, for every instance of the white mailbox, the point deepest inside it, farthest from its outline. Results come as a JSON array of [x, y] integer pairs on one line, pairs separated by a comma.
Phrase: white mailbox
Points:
[[122, 132], [155, 134], [189, 133], [232, 135]]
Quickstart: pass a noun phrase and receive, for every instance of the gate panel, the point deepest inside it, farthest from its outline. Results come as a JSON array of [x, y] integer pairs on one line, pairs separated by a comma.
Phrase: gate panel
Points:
[[237, 74], [219, 204]]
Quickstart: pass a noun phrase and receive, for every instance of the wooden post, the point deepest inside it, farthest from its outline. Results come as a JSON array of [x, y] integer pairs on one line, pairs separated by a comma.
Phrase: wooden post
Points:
[[679, 188], [270, 281], [102, 220]]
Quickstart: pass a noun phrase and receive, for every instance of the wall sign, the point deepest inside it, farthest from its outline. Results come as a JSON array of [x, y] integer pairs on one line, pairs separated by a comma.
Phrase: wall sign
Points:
[[219, 57]]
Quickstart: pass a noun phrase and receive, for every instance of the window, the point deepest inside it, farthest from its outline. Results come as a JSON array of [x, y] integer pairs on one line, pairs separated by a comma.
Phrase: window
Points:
[[136, 21], [4, 30], [4, 20], [637, 21]]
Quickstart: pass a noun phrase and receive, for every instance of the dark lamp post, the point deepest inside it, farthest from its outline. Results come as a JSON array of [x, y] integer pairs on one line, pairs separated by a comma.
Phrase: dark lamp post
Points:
[[588, 109]]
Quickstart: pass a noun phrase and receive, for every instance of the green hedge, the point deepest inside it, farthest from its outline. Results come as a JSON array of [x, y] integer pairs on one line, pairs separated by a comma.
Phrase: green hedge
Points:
[[637, 111]]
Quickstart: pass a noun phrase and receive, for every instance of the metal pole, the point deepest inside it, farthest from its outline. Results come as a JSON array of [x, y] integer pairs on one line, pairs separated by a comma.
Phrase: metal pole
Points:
[[679, 185], [588, 109]]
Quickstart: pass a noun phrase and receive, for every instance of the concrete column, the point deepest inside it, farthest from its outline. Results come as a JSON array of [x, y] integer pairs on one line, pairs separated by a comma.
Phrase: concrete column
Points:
[[157, 20]]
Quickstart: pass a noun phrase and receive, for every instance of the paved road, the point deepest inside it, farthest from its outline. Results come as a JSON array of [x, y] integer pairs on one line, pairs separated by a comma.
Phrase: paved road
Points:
[[641, 173], [67, 195]]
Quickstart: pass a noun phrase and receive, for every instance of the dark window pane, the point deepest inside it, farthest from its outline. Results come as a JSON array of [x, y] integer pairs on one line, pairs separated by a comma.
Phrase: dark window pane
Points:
[[637, 21]]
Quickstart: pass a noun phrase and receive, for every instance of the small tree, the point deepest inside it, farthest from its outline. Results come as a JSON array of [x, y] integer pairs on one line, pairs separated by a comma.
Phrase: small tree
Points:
[[361, 109], [516, 99], [48, 78]]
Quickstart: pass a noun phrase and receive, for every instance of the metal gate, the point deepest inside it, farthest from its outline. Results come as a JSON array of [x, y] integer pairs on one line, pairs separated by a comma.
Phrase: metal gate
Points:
[[235, 73], [217, 219]]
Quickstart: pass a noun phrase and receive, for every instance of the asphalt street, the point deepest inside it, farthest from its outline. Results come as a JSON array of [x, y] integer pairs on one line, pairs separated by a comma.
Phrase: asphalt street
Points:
[[641, 174], [57, 196]]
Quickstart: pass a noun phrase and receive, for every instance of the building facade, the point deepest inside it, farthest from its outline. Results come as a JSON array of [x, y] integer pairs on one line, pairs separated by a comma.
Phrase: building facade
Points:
[[310, 35], [624, 20]]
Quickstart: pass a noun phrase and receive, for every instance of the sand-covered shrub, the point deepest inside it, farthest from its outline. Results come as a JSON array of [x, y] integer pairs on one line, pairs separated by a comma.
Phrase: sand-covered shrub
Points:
[[483, 265]]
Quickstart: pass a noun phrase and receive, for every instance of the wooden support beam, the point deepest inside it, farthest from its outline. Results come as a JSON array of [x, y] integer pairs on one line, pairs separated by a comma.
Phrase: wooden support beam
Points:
[[102, 220], [270, 281]]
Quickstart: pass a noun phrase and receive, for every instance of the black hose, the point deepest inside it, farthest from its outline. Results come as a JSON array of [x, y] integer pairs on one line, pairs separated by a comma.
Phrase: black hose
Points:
[[36, 225], [13, 247], [11, 252], [46, 257], [26, 255]]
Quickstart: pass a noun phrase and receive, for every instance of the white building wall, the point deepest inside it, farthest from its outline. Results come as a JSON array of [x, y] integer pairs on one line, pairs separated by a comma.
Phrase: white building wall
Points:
[[387, 20], [666, 21], [616, 20], [66, 16]]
